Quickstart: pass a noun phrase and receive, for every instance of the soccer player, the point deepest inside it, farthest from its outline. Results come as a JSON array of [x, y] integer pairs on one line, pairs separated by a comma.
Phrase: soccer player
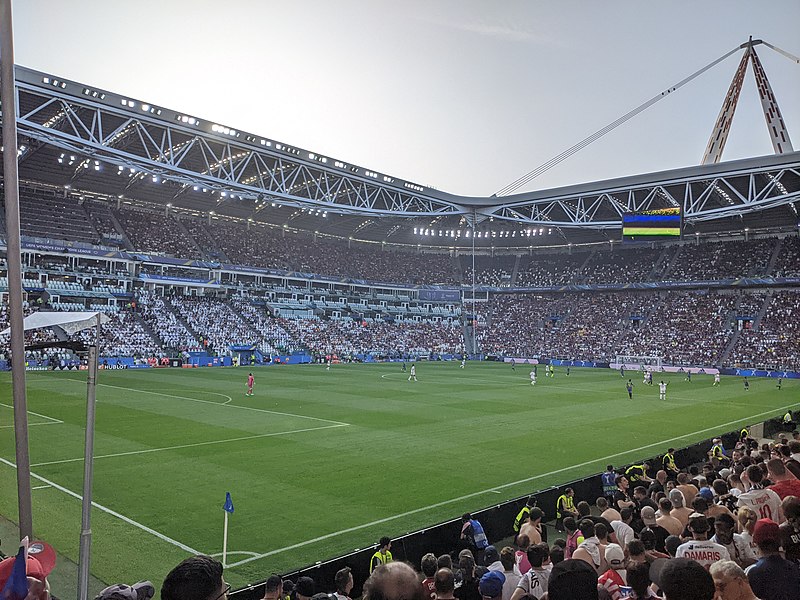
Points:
[[413, 374], [746, 385], [780, 382], [250, 382], [622, 371], [662, 390], [629, 387], [567, 370], [328, 367], [688, 376], [552, 371], [513, 365], [533, 377], [463, 362], [716, 380], [404, 366]]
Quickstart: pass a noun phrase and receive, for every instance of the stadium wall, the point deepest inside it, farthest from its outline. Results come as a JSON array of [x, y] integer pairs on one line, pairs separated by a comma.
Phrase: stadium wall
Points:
[[497, 520]]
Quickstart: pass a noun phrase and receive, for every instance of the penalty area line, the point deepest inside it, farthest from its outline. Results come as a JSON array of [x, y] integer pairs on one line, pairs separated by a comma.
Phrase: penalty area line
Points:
[[499, 487], [113, 513]]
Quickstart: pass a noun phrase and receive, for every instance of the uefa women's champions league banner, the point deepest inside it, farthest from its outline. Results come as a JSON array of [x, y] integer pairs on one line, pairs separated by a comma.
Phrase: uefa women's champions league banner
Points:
[[761, 373], [665, 369]]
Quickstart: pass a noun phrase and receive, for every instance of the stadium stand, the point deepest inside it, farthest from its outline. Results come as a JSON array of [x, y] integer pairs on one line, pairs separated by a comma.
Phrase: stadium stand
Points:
[[157, 233], [45, 216]]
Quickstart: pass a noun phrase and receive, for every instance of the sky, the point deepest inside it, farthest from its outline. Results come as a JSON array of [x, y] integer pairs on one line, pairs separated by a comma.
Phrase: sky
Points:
[[461, 95]]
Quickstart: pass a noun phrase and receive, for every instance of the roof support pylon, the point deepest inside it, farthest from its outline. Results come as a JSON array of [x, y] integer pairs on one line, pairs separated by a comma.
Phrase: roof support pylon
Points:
[[775, 125]]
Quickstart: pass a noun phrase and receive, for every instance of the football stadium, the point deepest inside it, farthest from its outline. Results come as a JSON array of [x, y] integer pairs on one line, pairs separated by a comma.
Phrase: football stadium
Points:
[[235, 367]]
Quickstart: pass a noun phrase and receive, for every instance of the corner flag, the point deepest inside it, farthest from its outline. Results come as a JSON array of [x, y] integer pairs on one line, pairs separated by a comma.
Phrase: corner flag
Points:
[[228, 506]]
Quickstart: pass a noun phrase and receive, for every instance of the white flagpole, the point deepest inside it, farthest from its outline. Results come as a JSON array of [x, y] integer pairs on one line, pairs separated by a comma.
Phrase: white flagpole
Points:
[[225, 541]]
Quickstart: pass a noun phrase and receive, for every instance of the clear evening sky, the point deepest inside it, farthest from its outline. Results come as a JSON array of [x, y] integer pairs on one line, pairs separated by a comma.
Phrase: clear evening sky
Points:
[[462, 95]]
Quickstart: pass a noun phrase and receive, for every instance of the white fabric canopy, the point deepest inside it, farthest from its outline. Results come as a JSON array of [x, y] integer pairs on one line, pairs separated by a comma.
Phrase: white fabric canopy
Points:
[[70, 322]]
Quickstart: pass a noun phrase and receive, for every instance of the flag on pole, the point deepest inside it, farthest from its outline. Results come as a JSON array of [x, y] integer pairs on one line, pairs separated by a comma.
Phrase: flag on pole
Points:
[[16, 587], [228, 506]]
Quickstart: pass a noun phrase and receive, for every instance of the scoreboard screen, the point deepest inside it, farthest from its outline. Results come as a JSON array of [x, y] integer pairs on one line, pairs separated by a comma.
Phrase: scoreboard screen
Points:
[[651, 225]]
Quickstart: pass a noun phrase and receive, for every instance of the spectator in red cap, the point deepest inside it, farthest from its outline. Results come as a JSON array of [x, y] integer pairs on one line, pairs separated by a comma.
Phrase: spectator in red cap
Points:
[[41, 560], [773, 577]]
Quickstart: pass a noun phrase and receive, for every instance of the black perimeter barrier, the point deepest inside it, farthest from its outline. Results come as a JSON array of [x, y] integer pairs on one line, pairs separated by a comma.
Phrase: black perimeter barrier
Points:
[[497, 522]]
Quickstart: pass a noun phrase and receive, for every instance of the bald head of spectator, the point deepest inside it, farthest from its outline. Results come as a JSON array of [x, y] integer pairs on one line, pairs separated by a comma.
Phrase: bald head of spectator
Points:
[[393, 581], [444, 583]]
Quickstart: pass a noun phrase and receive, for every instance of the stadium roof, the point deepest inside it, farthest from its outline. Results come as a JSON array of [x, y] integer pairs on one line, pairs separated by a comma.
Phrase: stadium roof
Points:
[[95, 142]]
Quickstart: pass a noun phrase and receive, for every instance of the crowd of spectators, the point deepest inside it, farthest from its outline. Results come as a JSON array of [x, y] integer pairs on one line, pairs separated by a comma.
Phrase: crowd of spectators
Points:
[[156, 233], [623, 265], [684, 328], [273, 336], [728, 529], [775, 344], [345, 338], [123, 335], [788, 262], [162, 320], [218, 325], [550, 269], [722, 260], [45, 216]]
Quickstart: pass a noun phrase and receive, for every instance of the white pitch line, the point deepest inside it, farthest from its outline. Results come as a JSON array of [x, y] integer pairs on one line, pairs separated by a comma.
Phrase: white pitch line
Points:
[[262, 410], [499, 487], [234, 552], [178, 447], [30, 412], [113, 513], [41, 487]]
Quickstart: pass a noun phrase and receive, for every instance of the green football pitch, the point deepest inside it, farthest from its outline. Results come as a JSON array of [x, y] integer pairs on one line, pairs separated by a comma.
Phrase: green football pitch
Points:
[[322, 462]]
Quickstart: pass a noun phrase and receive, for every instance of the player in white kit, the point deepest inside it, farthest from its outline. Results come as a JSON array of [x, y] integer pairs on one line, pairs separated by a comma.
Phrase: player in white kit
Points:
[[662, 390], [533, 377], [413, 374]]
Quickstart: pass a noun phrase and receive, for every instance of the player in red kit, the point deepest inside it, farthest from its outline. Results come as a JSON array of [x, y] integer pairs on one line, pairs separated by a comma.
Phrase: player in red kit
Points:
[[250, 382]]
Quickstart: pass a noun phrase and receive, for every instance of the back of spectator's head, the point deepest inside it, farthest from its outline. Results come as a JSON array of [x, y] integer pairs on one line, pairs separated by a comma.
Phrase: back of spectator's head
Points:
[[491, 584], [755, 474], [445, 561], [466, 561], [648, 538], [626, 514], [538, 554], [305, 587], [638, 578], [615, 556], [640, 491], [466, 517], [601, 503], [587, 528], [700, 504], [274, 583], [720, 487], [791, 507], [572, 580], [682, 579], [428, 565], [665, 506], [601, 531], [531, 502], [560, 542], [556, 554], [636, 549], [569, 524], [444, 582], [195, 578], [767, 536], [584, 510], [507, 558], [776, 467], [698, 523], [393, 581], [490, 555], [536, 514], [671, 544], [522, 541], [676, 498]]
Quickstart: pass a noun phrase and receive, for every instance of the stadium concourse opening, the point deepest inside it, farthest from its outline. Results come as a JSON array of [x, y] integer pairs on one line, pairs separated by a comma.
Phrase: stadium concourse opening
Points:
[[357, 331]]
